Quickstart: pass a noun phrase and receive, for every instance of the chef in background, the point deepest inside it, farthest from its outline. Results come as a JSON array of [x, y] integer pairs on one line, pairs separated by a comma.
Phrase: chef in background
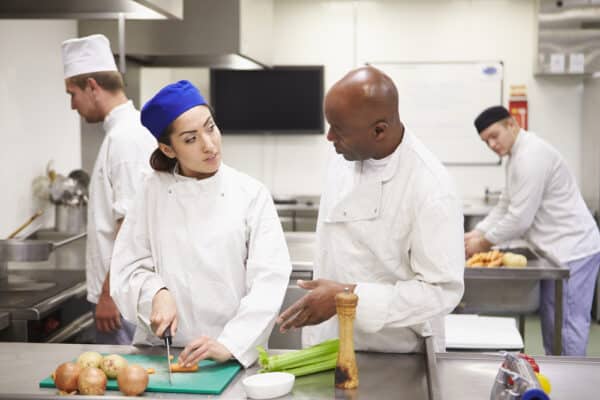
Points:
[[541, 202], [390, 227], [98, 94], [202, 253]]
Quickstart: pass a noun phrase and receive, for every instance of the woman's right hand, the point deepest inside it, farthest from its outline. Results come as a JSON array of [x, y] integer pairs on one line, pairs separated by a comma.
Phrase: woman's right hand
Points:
[[164, 313]]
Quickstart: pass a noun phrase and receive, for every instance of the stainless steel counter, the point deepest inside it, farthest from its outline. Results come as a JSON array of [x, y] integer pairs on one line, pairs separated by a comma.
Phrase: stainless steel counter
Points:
[[462, 376], [470, 375]]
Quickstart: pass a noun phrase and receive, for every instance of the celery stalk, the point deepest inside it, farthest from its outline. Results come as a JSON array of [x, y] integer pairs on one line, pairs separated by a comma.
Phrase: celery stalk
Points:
[[320, 357], [295, 358], [300, 363], [313, 368]]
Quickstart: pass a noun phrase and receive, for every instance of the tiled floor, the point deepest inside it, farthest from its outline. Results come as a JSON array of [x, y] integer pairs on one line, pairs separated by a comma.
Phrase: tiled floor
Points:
[[533, 337]]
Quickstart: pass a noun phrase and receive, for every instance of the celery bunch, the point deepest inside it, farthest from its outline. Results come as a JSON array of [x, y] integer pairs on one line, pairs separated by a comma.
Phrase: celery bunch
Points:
[[320, 357]]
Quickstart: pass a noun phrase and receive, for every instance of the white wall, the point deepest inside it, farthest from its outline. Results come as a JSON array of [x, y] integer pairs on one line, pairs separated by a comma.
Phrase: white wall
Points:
[[36, 120], [345, 34]]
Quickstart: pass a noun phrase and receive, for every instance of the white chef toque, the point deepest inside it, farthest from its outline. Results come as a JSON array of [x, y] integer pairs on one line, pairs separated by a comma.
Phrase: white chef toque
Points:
[[86, 55]]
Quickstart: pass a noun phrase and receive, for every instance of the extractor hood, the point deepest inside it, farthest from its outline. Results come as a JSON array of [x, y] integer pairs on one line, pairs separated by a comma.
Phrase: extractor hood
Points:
[[213, 33], [568, 37], [91, 9]]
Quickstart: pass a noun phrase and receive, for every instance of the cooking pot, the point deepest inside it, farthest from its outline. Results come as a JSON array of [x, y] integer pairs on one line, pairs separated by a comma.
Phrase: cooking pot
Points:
[[31, 250]]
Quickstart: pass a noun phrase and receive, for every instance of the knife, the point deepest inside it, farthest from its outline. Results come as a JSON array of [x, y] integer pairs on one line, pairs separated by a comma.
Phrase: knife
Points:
[[168, 341]]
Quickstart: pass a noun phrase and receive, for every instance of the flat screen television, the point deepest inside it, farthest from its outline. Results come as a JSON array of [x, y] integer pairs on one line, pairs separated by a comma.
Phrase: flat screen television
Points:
[[278, 100]]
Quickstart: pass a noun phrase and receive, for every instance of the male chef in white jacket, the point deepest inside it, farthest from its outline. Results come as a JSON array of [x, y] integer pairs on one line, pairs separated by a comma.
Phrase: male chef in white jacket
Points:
[[390, 227], [542, 203], [97, 93]]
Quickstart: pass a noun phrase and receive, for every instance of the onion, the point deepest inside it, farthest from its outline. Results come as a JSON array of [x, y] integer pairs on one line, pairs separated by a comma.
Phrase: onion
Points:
[[90, 359], [132, 380], [112, 364], [65, 376], [92, 381]]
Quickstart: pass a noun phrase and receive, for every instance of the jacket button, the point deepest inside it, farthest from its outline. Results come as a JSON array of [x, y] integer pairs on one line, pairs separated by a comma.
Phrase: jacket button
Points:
[[344, 213]]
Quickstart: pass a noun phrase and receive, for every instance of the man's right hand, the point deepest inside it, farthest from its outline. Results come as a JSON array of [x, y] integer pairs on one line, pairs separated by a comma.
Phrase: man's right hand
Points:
[[164, 313], [108, 318]]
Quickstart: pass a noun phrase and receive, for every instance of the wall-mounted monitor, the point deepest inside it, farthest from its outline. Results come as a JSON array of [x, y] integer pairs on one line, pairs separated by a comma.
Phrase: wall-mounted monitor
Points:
[[278, 100]]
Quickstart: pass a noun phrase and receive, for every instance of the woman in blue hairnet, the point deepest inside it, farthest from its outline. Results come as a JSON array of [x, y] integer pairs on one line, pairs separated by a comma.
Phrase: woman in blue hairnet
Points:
[[202, 253]]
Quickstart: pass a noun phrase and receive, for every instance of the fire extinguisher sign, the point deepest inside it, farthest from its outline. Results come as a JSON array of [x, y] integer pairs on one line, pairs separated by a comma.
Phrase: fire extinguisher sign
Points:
[[517, 105]]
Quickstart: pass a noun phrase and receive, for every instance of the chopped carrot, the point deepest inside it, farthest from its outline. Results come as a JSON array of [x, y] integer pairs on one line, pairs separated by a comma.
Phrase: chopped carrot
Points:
[[150, 371], [171, 357], [180, 368]]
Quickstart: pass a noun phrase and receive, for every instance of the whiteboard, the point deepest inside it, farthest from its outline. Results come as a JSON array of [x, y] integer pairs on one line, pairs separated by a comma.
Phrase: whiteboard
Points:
[[439, 101]]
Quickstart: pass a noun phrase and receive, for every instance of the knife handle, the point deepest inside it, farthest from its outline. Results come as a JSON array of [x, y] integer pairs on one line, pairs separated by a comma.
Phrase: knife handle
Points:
[[167, 335]]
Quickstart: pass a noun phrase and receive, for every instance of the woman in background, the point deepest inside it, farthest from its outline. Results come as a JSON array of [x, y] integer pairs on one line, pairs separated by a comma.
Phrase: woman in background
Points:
[[202, 253]]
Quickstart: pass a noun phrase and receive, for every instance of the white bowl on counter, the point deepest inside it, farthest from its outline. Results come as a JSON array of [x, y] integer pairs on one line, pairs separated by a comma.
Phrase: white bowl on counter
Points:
[[268, 385]]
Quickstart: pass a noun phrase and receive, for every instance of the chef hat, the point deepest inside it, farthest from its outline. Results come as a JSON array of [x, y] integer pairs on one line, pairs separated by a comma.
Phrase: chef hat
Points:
[[86, 55], [490, 116], [168, 104]]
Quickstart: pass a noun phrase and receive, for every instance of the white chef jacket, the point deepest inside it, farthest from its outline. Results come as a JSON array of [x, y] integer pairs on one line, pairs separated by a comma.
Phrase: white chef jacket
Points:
[[541, 202], [122, 161], [217, 245], [399, 236]]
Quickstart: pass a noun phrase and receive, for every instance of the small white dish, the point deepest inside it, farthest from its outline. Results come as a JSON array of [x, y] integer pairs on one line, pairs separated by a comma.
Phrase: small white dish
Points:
[[268, 385]]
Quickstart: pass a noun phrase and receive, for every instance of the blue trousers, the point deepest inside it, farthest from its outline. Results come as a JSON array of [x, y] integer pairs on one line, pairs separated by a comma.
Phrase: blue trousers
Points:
[[578, 293], [123, 335]]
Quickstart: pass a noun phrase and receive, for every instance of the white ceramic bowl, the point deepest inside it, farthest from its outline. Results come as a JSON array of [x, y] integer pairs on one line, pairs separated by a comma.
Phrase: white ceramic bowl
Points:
[[268, 385]]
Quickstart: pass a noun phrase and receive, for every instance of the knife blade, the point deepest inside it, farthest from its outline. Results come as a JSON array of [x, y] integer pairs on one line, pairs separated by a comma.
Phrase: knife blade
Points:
[[168, 340]]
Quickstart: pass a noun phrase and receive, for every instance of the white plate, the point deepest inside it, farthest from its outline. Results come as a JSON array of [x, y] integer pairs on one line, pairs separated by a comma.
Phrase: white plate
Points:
[[268, 385]]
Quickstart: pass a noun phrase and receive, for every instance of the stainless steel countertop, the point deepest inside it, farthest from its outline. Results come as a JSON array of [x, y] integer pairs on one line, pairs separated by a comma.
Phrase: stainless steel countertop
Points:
[[382, 376], [462, 376], [470, 375]]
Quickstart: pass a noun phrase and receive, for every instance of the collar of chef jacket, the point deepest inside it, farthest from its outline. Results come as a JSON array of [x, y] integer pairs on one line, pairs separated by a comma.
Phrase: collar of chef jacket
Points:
[[364, 201], [189, 186], [119, 113], [518, 144]]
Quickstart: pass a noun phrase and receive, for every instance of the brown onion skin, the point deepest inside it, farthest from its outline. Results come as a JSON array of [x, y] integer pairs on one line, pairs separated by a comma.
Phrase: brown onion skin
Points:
[[66, 375], [132, 380], [92, 381]]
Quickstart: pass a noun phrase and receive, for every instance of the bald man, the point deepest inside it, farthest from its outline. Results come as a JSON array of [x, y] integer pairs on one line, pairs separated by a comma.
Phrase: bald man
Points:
[[390, 227]]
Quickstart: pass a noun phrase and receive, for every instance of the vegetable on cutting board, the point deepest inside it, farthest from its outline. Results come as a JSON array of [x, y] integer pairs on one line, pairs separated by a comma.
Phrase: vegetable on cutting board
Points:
[[180, 368], [318, 358]]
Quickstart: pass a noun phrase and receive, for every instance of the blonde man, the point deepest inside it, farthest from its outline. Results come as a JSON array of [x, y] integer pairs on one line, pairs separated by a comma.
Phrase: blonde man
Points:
[[97, 93]]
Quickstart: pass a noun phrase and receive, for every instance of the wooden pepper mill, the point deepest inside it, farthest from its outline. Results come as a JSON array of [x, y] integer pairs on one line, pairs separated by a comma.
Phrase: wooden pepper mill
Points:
[[346, 372]]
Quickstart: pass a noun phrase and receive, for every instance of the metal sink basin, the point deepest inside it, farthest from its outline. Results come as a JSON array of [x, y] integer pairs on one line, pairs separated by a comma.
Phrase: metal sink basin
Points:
[[503, 295]]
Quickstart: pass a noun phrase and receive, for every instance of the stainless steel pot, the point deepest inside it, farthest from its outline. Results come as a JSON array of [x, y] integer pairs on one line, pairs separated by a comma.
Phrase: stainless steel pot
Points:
[[71, 219], [31, 250]]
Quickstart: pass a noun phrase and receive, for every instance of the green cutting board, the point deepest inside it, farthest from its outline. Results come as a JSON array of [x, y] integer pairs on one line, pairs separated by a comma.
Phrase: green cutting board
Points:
[[211, 378]]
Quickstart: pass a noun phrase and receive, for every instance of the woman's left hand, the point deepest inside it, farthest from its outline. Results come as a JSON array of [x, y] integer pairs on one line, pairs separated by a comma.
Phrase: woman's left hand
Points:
[[203, 348]]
